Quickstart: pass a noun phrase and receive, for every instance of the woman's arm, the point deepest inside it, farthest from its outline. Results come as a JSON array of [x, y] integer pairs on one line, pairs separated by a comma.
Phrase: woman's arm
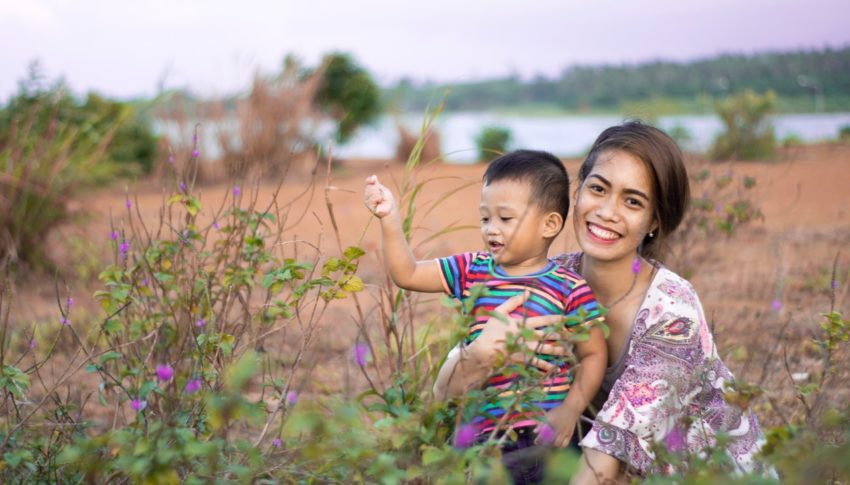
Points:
[[596, 468]]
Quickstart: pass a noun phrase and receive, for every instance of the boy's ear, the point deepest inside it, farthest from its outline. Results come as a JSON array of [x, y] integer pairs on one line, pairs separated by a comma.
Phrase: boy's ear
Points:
[[552, 224]]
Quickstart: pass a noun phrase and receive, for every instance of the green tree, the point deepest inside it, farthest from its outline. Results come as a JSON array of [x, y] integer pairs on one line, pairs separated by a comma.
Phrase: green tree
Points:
[[348, 94]]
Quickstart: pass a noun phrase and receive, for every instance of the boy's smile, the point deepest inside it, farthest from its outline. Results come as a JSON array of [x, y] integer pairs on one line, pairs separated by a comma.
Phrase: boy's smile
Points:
[[512, 228]]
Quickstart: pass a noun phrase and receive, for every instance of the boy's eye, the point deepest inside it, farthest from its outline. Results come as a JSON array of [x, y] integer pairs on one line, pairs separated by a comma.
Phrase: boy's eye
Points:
[[506, 219], [485, 220]]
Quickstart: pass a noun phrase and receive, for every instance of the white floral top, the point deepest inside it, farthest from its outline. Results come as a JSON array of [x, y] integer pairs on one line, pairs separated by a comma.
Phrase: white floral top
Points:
[[672, 385]]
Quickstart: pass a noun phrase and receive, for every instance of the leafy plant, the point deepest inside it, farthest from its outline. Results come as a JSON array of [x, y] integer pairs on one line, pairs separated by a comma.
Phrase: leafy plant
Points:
[[748, 132], [492, 141]]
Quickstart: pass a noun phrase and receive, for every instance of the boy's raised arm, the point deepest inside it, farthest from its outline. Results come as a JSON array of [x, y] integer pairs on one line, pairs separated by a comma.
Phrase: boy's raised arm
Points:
[[405, 271]]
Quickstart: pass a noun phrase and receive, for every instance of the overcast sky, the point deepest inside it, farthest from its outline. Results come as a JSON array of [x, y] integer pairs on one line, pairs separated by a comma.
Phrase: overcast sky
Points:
[[123, 48]]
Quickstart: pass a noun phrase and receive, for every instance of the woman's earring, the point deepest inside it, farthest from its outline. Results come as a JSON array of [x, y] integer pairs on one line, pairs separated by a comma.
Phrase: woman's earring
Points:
[[651, 234]]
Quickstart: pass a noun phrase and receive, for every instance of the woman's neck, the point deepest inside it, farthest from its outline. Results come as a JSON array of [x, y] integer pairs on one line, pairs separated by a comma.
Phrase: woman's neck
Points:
[[610, 280]]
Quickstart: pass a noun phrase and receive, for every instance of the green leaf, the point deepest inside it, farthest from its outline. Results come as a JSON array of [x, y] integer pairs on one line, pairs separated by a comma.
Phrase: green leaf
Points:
[[239, 373], [111, 355], [353, 284], [353, 252], [111, 326]]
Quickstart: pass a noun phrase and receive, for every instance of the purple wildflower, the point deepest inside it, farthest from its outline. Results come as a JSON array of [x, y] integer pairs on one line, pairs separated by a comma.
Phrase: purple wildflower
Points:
[[145, 282], [216, 225], [464, 436], [546, 434], [32, 343], [113, 235], [236, 191], [277, 443], [834, 284], [194, 139], [64, 321], [164, 372], [200, 323], [291, 398], [171, 159], [676, 440], [182, 186], [193, 386], [361, 353], [123, 248], [776, 304], [138, 404], [196, 153], [636, 265], [70, 302], [128, 203]]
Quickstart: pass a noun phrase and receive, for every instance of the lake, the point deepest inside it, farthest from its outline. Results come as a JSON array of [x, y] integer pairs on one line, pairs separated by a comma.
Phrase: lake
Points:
[[569, 136]]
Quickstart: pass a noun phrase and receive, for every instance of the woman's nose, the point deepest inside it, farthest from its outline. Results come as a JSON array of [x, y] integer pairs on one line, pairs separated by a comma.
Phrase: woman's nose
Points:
[[607, 209]]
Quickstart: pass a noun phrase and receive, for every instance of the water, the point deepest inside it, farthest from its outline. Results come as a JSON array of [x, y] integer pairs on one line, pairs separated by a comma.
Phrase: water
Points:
[[562, 135]]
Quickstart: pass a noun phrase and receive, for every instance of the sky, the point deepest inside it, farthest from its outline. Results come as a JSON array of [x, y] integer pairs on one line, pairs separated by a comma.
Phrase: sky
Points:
[[133, 48]]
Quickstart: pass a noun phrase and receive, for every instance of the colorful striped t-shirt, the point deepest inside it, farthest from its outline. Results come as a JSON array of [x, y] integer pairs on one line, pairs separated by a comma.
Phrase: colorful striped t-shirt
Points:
[[554, 290]]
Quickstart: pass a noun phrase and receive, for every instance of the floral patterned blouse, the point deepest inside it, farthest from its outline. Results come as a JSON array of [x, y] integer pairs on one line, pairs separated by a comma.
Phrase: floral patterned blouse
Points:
[[672, 386]]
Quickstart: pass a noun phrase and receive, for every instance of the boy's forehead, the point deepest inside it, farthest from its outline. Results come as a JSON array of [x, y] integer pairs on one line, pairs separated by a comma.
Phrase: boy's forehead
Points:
[[506, 192]]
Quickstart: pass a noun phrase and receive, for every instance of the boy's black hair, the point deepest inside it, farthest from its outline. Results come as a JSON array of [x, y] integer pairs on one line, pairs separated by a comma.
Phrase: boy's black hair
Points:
[[544, 172]]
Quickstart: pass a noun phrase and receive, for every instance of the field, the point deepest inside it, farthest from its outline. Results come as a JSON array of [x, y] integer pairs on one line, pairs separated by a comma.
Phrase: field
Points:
[[763, 287]]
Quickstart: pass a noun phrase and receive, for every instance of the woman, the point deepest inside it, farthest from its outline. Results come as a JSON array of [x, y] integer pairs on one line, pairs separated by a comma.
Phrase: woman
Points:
[[664, 383]]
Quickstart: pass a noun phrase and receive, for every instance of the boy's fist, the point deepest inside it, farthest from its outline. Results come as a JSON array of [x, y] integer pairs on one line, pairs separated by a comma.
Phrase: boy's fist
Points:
[[378, 199]]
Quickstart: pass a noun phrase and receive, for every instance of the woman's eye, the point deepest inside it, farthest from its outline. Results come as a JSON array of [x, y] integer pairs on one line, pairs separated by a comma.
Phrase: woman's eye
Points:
[[506, 219], [633, 202], [595, 188]]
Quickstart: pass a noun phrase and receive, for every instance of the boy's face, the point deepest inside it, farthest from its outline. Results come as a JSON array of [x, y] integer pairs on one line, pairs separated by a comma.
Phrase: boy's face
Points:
[[511, 226]]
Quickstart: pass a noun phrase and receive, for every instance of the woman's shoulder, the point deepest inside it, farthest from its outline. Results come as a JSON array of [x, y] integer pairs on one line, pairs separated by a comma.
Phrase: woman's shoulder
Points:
[[674, 286]]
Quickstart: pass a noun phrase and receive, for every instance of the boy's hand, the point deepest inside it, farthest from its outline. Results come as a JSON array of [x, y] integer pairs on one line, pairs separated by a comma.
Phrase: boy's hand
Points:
[[378, 199], [561, 422]]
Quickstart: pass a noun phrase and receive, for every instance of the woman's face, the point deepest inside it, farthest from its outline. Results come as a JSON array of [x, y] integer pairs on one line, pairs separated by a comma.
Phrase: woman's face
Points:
[[614, 207]]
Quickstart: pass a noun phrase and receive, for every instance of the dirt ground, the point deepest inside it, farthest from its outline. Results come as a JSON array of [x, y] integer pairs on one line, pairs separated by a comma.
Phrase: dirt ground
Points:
[[788, 255]]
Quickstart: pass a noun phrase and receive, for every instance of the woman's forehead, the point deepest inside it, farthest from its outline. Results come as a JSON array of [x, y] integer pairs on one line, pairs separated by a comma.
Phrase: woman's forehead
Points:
[[623, 169]]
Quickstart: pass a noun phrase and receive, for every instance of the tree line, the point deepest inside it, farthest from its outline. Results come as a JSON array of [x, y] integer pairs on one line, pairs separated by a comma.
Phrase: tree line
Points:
[[793, 74]]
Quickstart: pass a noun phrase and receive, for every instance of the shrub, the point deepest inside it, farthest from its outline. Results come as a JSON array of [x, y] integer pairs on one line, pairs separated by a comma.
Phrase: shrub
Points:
[[133, 146], [45, 159], [844, 133], [492, 141], [748, 132], [722, 202], [276, 124]]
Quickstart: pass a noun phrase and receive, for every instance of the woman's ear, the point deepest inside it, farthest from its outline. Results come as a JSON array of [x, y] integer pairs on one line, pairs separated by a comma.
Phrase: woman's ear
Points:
[[552, 224]]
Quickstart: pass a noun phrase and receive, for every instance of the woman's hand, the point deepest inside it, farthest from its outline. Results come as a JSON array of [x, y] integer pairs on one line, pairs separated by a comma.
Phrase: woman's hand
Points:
[[469, 366]]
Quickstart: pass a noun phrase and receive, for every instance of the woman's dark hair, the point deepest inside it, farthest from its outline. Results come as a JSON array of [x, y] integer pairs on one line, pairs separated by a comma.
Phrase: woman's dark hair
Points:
[[664, 162]]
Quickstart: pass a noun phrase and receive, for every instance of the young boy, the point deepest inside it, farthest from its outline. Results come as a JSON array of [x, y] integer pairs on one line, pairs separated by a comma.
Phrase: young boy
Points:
[[524, 203]]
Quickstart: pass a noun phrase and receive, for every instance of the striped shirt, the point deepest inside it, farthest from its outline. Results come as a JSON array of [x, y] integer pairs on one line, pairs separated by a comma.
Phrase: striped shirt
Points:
[[554, 290]]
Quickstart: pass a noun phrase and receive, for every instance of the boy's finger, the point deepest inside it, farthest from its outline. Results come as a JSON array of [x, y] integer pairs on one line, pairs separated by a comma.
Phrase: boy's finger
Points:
[[551, 349], [543, 321], [542, 364]]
